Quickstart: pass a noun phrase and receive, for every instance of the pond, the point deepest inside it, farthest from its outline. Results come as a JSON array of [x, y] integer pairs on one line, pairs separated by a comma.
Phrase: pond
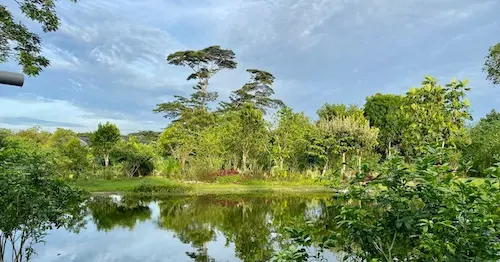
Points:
[[196, 228]]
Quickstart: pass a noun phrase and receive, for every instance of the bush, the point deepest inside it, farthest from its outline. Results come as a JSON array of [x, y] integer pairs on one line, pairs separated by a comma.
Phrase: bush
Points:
[[168, 167], [420, 211]]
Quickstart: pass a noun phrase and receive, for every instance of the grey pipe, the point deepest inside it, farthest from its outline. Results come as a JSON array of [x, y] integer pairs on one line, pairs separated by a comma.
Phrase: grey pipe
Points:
[[9, 78]]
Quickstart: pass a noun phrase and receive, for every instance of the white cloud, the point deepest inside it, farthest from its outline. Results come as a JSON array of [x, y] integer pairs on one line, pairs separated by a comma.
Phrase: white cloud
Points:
[[66, 112]]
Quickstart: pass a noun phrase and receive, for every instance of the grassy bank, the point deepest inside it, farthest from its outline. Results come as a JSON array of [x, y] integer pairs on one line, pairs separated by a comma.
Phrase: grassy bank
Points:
[[163, 186]]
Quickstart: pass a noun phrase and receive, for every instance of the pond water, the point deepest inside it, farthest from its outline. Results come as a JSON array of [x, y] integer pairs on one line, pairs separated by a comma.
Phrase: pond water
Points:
[[202, 228]]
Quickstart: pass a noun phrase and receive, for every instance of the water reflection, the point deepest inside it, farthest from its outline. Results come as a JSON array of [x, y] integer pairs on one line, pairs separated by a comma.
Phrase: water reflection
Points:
[[203, 228]]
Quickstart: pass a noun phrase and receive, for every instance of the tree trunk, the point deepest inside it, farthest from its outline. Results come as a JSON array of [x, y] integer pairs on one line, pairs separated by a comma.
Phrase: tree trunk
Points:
[[106, 160], [244, 161], [183, 165], [359, 160], [106, 163], [325, 167], [343, 165]]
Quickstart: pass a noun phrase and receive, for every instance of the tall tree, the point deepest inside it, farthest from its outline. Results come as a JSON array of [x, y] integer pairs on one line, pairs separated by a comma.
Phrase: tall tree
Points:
[[18, 43], [104, 139], [492, 64], [257, 91], [205, 63], [289, 138], [251, 130], [381, 110], [434, 114]]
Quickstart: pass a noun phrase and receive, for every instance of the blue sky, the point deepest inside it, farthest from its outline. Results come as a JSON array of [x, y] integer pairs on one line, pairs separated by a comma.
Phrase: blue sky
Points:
[[108, 58]]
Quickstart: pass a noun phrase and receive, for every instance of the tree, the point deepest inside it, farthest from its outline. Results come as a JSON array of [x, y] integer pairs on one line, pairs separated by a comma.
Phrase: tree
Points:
[[205, 64], [289, 138], [74, 156], [35, 134], [345, 134], [417, 211], [330, 111], [251, 130], [177, 142], [104, 139], [381, 110], [492, 64], [18, 43], [33, 200], [433, 114], [145, 136], [257, 92], [484, 150], [138, 159]]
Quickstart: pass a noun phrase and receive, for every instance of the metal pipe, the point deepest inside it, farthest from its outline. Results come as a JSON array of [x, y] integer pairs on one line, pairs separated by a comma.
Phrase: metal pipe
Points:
[[9, 78]]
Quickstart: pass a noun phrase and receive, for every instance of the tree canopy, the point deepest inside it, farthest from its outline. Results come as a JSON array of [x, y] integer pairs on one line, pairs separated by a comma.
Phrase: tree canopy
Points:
[[18, 42]]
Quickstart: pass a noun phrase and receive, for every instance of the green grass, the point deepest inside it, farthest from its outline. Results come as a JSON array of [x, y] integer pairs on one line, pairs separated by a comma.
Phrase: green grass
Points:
[[248, 187]]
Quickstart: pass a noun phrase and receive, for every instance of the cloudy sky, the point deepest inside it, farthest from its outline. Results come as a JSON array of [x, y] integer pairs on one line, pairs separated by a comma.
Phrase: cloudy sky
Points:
[[108, 58]]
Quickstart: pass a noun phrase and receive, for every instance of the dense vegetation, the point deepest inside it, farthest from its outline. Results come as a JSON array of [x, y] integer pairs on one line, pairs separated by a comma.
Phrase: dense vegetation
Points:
[[234, 141], [403, 159]]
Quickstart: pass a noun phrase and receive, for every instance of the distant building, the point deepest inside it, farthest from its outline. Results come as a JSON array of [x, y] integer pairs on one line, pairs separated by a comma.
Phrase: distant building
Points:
[[84, 141]]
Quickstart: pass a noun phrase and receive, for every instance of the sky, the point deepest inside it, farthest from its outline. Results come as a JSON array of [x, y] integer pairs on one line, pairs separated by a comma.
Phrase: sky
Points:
[[108, 58]]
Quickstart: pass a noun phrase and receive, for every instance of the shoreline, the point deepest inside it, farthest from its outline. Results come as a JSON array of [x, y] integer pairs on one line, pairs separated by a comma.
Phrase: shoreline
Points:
[[163, 186]]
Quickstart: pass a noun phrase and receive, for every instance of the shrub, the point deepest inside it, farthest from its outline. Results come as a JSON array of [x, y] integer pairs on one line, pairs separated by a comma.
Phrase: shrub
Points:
[[168, 167], [420, 211]]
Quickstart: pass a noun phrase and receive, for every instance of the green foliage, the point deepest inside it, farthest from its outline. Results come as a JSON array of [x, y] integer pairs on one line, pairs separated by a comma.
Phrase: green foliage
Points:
[[75, 158], [433, 114], [485, 146], [167, 167], [251, 129], [416, 211], [205, 63], [36, 134], [137, 159], [329, 111], [382, 111], [104, 139], [145, 137], [289, 139], [32, 199], [492, 64], [18, 43], [257, 92]]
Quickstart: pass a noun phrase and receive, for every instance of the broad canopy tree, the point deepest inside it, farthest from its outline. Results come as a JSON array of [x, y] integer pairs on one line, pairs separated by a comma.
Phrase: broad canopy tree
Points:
[[104, 139], [204, 63], [257, 92], [381, 110]]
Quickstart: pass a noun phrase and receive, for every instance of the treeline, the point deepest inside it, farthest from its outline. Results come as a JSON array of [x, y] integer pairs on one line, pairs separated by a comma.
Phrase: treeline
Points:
[[206, 139]]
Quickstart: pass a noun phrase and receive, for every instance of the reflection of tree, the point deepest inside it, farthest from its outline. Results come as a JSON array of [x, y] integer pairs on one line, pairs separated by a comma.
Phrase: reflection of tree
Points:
[[253, 223], [108, 213]]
